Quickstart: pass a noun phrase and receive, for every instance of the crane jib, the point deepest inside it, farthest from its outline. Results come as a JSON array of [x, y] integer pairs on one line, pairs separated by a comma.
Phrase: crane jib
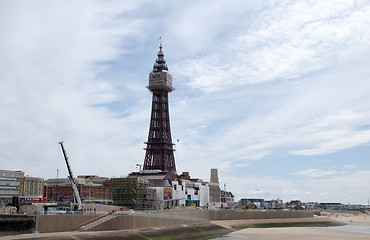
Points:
[[79, 205]]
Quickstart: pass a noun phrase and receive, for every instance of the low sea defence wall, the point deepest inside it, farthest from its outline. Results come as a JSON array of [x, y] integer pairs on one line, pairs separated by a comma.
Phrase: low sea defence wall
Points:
[[142, 221], [191, 217], [236, 215], [60, 223]]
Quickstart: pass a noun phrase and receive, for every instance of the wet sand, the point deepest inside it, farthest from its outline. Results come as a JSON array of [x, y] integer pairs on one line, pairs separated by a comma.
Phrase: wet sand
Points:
[[193, 231], [349, 231], [302, 233]]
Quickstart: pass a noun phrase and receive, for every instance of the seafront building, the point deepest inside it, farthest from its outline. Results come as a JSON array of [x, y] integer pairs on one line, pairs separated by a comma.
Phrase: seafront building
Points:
[[11, 185], [154, 189], [91, 189], [227, 199], [133, 192], [16, 187], [33, 188]]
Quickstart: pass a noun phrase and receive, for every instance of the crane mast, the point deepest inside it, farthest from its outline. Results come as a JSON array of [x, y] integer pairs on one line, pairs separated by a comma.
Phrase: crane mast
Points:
[[73, 181]]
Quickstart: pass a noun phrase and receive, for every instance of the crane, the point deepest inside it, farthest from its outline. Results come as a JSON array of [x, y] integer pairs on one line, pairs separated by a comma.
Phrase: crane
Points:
[[79, 205]]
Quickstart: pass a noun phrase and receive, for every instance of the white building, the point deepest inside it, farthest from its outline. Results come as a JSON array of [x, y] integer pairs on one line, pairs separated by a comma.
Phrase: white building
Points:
[[182, 193], [197, 194]]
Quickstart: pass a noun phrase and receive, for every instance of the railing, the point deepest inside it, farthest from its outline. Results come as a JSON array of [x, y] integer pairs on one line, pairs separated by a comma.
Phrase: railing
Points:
[[57, 212], [129, 212]]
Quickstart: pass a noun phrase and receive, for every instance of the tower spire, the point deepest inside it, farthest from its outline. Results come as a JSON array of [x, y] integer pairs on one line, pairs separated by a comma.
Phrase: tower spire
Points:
[[160, 63]]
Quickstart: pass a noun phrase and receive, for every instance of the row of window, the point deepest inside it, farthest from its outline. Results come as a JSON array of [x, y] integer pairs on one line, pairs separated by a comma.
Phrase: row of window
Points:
[[10, 179], [9, 192], [11, 174], [175, 187], [9, 183], [7, 187]]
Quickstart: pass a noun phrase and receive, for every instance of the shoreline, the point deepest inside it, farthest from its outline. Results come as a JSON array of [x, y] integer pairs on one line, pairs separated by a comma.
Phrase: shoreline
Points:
[[246, 228], [354, 226], [247, 223]]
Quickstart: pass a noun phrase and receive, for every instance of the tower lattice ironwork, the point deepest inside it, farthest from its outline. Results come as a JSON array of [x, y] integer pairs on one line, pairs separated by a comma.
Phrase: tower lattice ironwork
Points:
[[160, 149]]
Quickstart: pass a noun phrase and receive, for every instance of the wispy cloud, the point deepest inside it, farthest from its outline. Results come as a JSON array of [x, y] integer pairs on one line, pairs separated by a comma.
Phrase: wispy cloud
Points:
[[287, 41], [350, 166], [50, 85], [337, 131], [278, 79], [317, 173]]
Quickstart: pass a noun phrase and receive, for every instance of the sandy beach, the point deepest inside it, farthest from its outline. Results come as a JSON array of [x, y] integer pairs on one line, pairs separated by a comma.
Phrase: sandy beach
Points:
[[357, 227]]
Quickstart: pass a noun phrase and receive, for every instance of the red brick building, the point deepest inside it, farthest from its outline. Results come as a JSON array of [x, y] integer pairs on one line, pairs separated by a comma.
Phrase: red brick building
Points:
[[91, 189]]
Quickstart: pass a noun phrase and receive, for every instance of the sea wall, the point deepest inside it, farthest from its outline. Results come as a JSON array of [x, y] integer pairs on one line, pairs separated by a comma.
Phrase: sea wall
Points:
[[60, 223], [238, 215], [141, 221]]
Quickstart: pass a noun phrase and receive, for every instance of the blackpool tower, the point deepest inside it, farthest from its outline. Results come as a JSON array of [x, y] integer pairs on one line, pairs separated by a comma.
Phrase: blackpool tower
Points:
[[159, 147]]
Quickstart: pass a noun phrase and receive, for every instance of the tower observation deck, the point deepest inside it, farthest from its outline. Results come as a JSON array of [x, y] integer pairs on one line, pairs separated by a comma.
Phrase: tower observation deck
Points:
[[159, 147]]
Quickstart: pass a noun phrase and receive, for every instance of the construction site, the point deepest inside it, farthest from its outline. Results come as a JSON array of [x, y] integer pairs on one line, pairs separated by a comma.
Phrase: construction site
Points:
[[133, 193]]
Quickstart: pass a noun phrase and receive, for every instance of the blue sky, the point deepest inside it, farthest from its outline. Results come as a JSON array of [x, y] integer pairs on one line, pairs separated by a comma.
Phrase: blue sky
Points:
[[275, 94]]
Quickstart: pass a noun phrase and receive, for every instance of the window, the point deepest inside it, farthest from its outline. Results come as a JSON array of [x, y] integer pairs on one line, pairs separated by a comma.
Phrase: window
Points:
[[10, 183], [10, 192], [6, 187]]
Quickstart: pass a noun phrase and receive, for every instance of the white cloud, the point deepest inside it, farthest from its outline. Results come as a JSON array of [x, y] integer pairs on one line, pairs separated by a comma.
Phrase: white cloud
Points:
[[251, 108], [350, 166], [193, 27], [316, 173], [287, 42], [50, 85], [335, 132]]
